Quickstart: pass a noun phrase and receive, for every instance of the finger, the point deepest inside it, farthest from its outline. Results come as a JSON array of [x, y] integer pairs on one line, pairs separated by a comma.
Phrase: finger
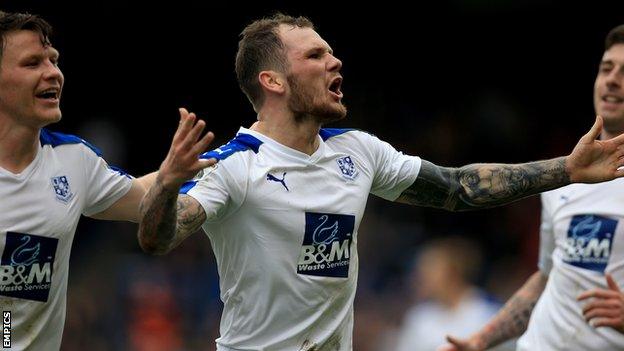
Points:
[[601, 312], [605, 322], [594, 132], [618, 154], [456, 341], [203, 144], [612, 284], [602, 303], [447, 347], [183, 114], [201, 164], [597, 293], [194, 133], [186, 124], [618, 140]]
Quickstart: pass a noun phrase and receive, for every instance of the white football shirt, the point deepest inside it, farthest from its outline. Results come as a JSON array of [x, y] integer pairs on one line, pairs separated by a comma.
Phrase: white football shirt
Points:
[[39, 212], [283, 226], [581, 239]]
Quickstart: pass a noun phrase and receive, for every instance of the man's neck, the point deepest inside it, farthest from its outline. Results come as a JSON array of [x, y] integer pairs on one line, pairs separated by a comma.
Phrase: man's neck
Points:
[[18, 146], [299, 135]]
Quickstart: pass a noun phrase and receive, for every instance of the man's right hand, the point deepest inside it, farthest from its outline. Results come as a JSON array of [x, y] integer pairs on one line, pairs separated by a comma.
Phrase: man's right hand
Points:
[[182, 162], [455, 344]]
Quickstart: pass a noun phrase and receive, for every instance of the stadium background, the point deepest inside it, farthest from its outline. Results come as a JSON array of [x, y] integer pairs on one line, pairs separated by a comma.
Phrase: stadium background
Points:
[[454, 82]]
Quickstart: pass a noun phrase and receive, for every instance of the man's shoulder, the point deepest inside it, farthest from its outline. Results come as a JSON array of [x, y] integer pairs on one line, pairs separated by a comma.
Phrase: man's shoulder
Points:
[[56, 139], [334, 134], [240, 144]]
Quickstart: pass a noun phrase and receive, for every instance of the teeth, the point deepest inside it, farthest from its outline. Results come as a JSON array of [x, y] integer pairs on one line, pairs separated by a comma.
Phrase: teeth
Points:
[[53, 91], [613, 99]]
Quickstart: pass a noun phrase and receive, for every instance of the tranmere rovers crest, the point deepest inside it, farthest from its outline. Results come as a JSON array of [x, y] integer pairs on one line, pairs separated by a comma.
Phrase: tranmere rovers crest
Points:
[[347, 167], [61, 188]]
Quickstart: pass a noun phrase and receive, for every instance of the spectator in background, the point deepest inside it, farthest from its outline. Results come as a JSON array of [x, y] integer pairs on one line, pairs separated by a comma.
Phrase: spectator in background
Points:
[[446, 298]]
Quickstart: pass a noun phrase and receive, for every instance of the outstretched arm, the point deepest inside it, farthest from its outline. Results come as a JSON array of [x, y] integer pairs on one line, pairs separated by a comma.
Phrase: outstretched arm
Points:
[[510, 322], [127, 207], [166, 219], [487, 185], [482, 185]]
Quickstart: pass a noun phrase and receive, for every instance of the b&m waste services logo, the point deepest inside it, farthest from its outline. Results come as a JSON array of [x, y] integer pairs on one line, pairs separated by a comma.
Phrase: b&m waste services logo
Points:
[[589, 241], [26, 266], [326, 248]]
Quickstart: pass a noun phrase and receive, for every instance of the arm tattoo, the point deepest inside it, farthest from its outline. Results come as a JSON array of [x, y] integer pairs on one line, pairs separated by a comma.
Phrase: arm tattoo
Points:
[[162, 225], [483, 185], [191, 216], [513, 319]]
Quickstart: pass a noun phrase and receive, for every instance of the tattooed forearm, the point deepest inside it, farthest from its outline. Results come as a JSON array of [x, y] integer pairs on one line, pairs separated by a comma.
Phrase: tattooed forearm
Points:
[[513, 319], [158, 219], [191, 216], [483, 185], [164, 225]]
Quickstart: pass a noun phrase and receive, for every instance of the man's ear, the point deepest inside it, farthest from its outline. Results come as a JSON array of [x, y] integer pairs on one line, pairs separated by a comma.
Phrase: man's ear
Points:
[[272, 81]]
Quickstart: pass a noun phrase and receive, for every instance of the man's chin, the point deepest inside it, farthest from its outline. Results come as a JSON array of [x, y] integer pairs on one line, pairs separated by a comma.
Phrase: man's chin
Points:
[[333, 114], [50, 119], [617, 116]]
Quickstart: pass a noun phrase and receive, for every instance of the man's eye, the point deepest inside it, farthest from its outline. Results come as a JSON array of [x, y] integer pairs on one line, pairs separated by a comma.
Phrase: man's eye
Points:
[[605, 69], [315, 56]]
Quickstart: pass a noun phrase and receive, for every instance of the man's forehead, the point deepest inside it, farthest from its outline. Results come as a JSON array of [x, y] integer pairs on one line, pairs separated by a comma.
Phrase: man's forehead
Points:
[[25, 42], [615, 53], [300, 38]]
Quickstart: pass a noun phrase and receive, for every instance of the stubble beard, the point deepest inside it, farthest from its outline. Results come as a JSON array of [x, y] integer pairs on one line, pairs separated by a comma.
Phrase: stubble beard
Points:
[[305, 105]]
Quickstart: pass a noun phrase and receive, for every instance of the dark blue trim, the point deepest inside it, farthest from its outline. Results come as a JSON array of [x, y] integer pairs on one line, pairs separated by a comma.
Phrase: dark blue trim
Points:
[[241, 142], [327, 133], [120, 171], [55, 139], [187, 186]]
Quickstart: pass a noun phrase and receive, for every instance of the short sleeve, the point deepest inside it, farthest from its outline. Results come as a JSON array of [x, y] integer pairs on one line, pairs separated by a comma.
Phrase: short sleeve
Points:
[[547, 237], [105, 185], [217, 189], [393, 170]]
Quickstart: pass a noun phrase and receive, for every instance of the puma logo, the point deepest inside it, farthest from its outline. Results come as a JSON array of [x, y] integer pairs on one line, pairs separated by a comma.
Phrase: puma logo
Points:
[[275, 179]]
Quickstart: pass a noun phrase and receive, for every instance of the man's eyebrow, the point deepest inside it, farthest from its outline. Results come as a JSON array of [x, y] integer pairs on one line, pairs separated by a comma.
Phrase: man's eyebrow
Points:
[[319, 48]]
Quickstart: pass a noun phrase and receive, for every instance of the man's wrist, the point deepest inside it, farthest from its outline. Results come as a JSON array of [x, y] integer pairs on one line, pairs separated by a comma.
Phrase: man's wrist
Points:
[[568, 169], [168, 184]]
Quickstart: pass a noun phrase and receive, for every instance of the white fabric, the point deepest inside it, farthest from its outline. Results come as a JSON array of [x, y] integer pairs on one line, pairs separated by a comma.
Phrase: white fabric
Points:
[[581, 239], [283, 226], [40, 208], [426, 325]]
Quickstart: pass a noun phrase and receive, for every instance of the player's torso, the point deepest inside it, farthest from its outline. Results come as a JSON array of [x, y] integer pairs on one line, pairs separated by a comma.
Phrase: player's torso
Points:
[[293, 245], [39, 210], [588, 228], [589, 241], [312, 209]]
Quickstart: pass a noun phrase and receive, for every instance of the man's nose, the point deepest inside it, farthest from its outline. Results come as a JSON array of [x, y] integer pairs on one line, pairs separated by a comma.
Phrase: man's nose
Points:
[[614, 79], [53, 72], [334, 64]]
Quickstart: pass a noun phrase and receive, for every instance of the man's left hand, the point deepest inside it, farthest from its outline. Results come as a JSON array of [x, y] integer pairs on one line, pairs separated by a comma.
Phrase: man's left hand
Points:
[[593, 160], [606, 309]]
